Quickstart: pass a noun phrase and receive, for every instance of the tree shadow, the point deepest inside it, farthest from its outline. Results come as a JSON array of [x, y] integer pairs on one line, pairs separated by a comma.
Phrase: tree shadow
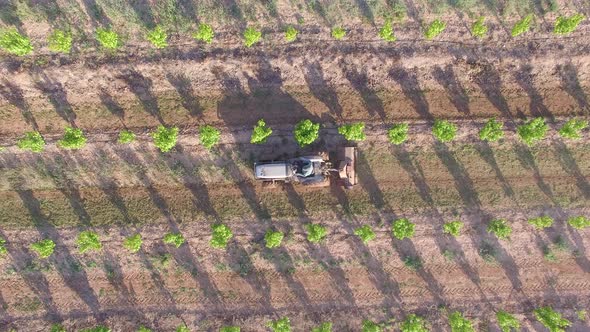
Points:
[[490, 83], [96, 14], [9, 15], [366, 11], [187, 8], [360, 82], [14, 95], [141, 87], [487, 154], [57, 96], [111, 104], [524, 78], [369, 183], [412, 90], [448, 80], [527, 160], [570, 165], [571, 84], [143, 11], [314, 77], [190, 102]]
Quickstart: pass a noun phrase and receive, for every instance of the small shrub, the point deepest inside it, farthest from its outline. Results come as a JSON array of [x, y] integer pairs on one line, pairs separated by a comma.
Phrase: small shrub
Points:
[[165, 138], [533, 130], [413, 323], [572, 128], [402, 228], [280, 325], [434, 29], [365, 233], [386, 32], [565, 25], [479, 29], [488, 252], [125, 137], [204, 33], [57, 328], [444, 131], [522, 26], [230, 329], [3, 250], [449, 255], [32, 141], [548, 254], [324, 327], [369, 326], [60, 41], [398, 133], [541, 222], [251, 36], [579, 222], [143, 329], [99, 328], [453, 228], [306, 132], [73, 139], [273, 239], [338, 33], [492, 131], [158, 37], [551, 319], [133, 243], [291, 34], [44, 248], [315, 232], [413, 263], [353, 132], [260, 133], [500, 228], [108, 39], [459, 323], [209, 136], [13, 42], [175, 239], [221, 235], [507, 322], [182, 328], [88, 240]]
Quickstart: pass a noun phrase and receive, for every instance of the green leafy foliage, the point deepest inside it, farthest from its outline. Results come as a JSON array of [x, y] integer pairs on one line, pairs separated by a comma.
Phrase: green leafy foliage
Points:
[[507, 322], [581, 315], [175, 239], [459, 323], [434, 29], [88, 240], [230, 329], [444, 131], [260, 133], [291, 34], [209, 136], [221, 235], [479, 29], [398, 133], [365, 232], [251, 36], [572, 128], [541, 222], [273, 239], [353, 132], [551, 319], [44, 248], [73, 139], [453, 228], [32, 141], [126, 137], [143, 329], [13, 42], [522, 26], [324, 327], [3, 249], [500, 228], [60, 41], [579, 222], [204, 33], [402, 228], [182, 328], [133, 243], [306, 132], [413, 323], [492, 131], [99, 328], [165, 138], [533, 130], [315, 232], [338, 33], [57, 328], [108, 39], [386, 32], [370, 326], [158, 37], [565, 25], [280, 325]]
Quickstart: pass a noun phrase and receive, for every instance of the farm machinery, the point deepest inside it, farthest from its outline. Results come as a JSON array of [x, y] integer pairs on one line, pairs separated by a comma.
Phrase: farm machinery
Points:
[[313, 170]]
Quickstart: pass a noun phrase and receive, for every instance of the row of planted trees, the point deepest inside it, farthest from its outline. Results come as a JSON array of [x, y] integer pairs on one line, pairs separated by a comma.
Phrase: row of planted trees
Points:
[[306, 132], [61, 40]]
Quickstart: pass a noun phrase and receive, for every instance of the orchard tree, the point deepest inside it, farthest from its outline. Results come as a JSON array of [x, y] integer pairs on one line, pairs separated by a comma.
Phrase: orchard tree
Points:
[[323, 327], [108, 38], [522, 26], [444, 131], [492, 131], [365, 232], [434, 29], [175, 239], [541, 222], [579, 222], [453, 228], [133, 243], [158, 37], [353, 132], [500, 228], [251, 36], [209, 136], [370, 326], [533, 130], [88, 240], [414, 323], [72, 139], [165, 138], [572, 128], [398, 133], [479, 29], [44, 248], [260, 133], [291, 34], [126, 137], [221, 235], [565, 25], [13, 42], [60, 41], [402, 228], [551, 319], [338, 33], [280, 325], [507, 322], [315, 232], [386, 32], [459, 323], [306, 132], [204, 33], [273, 239], [32, 141]]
